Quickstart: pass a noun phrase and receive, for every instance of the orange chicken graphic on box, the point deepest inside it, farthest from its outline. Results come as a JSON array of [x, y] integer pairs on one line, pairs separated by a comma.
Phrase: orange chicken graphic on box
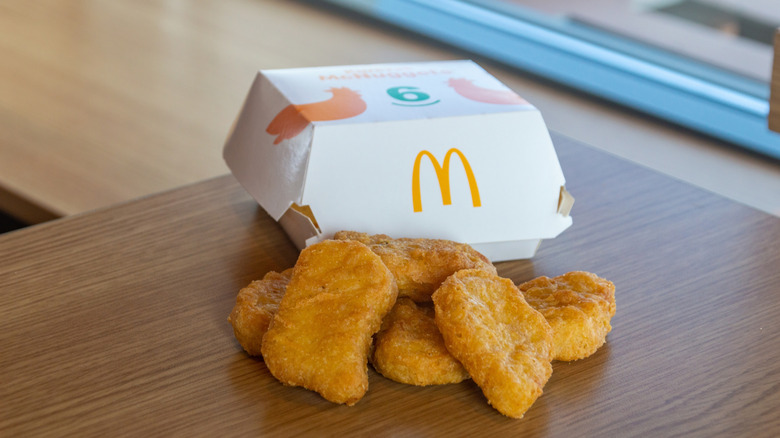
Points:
[[293, 119], [467, 89]]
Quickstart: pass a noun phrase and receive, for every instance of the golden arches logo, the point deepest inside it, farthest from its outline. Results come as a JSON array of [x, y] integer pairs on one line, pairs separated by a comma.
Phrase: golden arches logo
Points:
[[443, 175]]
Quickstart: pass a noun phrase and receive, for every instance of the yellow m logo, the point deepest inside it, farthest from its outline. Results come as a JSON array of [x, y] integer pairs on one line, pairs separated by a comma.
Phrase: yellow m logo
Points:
[[443, 175]]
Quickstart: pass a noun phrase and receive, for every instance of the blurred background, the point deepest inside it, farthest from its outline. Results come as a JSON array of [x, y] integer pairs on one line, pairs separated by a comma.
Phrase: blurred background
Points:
[[103, 102], [702, 64]]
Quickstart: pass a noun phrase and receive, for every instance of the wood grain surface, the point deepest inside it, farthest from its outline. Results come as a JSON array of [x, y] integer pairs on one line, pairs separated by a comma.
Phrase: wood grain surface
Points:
[[114, 322]]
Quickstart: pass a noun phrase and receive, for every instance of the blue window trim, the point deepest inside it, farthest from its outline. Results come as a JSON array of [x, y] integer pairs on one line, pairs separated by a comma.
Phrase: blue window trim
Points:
[[736, 114]]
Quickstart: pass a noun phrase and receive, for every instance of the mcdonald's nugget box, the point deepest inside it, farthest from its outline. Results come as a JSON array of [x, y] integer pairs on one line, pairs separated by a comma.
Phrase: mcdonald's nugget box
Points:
[[438, 150]]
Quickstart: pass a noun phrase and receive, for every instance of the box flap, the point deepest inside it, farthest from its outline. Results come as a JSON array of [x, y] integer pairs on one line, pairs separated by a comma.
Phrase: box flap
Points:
[[273, 174], [298, 226], [565, 202]]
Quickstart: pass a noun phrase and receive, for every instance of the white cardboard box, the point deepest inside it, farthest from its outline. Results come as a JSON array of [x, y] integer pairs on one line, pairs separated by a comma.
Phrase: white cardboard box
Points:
[[439, 150]]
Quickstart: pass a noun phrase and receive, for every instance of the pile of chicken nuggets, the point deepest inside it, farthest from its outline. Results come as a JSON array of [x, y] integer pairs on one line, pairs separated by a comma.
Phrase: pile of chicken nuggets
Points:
[[422, 312]]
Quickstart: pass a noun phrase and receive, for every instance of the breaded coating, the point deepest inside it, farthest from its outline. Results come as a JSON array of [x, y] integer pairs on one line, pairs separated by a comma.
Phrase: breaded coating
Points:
[[579, 306], [504, 344], [420, 265], [255, 306], [321, 335], [409, 348]]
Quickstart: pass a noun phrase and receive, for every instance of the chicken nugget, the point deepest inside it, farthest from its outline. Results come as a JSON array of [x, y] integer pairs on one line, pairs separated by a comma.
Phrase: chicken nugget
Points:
[[420, 265], [321, 335], [504, 344], [255, 306], [409, 348], [579, 306]]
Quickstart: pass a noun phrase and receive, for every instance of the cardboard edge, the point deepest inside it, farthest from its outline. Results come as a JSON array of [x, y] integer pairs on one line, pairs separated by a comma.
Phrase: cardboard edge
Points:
[[509, 250], [565, 202], [299, 227], [241, 149]]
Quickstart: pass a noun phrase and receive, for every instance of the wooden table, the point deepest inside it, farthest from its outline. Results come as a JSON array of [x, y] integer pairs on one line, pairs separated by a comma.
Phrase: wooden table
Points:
[[114, 322]]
